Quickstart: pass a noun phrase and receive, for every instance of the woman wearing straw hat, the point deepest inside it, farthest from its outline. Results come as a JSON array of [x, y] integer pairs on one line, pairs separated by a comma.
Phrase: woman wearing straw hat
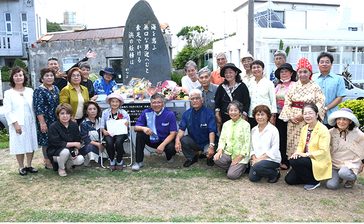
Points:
[[347, 148], [112, 120]]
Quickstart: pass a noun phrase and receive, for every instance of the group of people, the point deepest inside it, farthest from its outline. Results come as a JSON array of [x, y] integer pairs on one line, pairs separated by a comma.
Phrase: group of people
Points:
[[62, 117], [243, 122], [289, 117]]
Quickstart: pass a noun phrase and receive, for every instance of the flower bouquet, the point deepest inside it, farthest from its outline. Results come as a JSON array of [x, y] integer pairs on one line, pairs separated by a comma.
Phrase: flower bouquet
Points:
[[139, 87], [171, 90]]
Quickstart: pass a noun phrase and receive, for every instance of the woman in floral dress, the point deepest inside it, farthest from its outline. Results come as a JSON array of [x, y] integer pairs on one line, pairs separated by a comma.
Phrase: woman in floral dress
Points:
[[305, 91], [45, 101]]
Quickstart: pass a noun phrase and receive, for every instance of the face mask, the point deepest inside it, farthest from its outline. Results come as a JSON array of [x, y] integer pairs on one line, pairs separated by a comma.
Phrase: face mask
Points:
[[285, 81]]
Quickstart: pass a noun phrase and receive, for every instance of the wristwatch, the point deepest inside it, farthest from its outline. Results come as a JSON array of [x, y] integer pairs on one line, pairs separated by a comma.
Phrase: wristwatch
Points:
[[212, 144], [325, 108]]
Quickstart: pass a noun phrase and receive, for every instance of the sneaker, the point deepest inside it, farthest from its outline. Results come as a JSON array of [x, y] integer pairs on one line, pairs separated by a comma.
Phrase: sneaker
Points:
[[137, 166], [23, 171], [31, 170], [62, 172], [275, 179], [188, 162], [311, 186], [349, 184]]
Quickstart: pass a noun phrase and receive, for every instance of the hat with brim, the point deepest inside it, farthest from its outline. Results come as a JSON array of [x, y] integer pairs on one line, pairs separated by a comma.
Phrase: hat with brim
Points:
[[115, 96], [229, 65], [345, 113], [247, 55], [107, 70], [287, 66]]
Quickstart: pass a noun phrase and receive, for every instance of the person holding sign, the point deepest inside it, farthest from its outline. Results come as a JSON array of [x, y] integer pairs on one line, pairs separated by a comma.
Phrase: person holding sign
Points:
[[157, 128], [114, 127]]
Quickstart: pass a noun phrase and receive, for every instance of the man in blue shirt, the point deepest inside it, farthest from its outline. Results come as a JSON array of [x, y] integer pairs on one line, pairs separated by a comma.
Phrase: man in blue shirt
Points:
[[201, 126], [331, 84], [157, 128]]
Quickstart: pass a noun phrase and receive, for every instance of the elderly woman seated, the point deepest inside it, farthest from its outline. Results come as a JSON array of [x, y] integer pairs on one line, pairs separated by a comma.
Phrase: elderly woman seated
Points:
[[233, 148], [311, 163], [347, 148], [64, 141]]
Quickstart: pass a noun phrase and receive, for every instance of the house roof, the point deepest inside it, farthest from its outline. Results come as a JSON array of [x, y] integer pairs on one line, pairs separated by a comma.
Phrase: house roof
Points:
[[334, 3], [99, 33]]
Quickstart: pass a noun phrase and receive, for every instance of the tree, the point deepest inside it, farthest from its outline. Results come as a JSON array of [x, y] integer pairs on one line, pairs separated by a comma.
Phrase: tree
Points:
[[53, 27], [198, 41], [281, 46]]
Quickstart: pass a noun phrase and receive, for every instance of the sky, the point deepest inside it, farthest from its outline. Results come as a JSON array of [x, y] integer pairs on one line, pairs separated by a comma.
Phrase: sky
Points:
[[215, 15], [177, 13]]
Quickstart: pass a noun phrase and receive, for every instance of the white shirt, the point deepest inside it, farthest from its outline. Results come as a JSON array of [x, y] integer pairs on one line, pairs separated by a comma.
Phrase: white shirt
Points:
[[188, 84], [262, 92], [266, 142]]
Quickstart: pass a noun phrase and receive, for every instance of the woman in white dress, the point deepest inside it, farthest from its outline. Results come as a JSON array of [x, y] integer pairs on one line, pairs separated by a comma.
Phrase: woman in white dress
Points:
[[18, 107]]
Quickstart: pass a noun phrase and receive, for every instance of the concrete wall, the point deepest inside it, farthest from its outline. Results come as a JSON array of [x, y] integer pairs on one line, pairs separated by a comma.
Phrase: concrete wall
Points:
[[105, 48]]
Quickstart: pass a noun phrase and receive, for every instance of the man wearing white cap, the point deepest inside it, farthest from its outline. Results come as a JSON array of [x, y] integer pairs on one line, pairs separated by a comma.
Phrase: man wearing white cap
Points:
[[246, 61]]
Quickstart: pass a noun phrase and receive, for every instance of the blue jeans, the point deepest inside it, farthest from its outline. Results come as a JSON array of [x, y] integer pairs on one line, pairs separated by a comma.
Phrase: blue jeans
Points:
[[264, 168]]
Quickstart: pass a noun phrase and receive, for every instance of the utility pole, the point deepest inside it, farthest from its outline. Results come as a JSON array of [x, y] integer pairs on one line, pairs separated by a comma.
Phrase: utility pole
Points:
[[251, 27]]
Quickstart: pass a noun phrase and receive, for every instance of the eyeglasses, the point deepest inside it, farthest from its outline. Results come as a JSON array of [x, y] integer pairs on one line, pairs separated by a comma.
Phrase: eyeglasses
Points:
[[156, 102]]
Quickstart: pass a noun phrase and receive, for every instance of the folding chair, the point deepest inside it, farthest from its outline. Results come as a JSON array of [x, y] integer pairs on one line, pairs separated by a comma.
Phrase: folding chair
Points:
[[129, 149]]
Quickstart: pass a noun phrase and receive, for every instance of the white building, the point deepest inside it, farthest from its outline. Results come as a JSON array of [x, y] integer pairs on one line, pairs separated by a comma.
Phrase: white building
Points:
[[21, 24], [308, 27]]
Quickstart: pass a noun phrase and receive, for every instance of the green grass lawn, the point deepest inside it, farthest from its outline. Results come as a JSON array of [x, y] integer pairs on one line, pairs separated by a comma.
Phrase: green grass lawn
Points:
[[4, 139], [163, 192]]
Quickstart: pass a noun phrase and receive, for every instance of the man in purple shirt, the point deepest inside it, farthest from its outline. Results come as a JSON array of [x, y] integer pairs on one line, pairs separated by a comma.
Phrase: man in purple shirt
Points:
[[157, 128]]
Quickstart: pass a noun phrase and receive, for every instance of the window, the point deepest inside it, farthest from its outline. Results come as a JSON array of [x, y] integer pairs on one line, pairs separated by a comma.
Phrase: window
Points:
[[7, 17], [305, 48], [23, 17], [317, 48], [353, 28], [280, 15], [24, 26], [117, 65], [8, 23], [8, 42]]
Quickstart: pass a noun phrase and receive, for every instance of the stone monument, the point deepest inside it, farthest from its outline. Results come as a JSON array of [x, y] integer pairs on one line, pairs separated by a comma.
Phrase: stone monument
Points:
[[144, 48]]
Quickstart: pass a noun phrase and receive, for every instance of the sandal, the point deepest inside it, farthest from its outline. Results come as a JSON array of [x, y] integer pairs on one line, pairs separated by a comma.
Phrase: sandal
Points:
[[23, 171]]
